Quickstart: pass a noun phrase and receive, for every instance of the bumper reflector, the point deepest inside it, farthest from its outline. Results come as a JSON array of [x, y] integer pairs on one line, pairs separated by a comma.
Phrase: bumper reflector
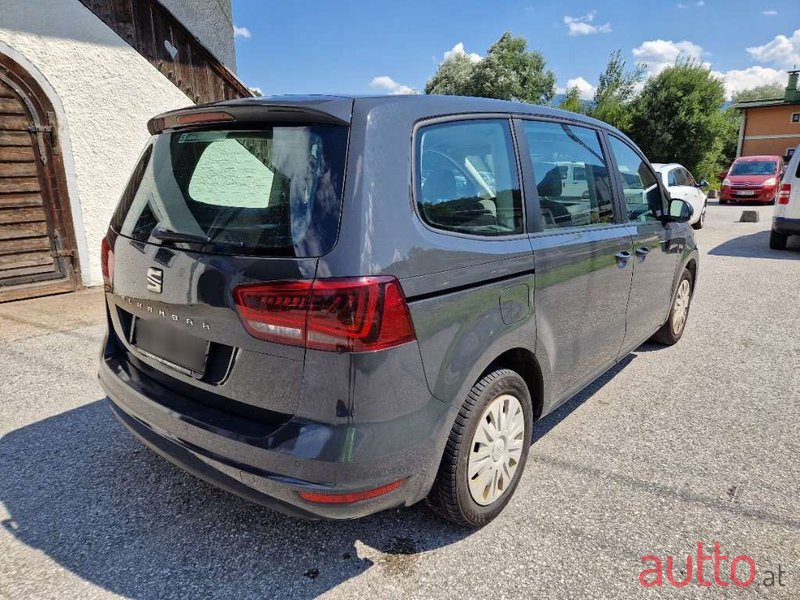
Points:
[[348, 498]]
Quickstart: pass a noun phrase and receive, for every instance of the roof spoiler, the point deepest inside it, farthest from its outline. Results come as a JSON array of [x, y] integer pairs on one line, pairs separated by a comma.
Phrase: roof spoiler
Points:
[[245, 114]]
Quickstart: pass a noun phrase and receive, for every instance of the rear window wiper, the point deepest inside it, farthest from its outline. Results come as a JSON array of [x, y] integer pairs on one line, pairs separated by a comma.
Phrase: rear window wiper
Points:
[[167, 235]]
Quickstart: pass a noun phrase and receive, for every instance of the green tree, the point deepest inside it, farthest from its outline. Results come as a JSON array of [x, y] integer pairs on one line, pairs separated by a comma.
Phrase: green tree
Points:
[[616, 90], [729, 136], [679, 117], [572, 101], [454, 77], [508, 71], [762, 92]]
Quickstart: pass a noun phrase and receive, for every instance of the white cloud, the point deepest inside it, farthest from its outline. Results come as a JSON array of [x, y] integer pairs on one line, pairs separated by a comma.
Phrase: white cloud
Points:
[[241, 32], [458, 50], [700, 3], [584, 25], [737, 80], [769, 13], [660, 54], [782, 52], [390, 85], [584, 87], [682, 5]]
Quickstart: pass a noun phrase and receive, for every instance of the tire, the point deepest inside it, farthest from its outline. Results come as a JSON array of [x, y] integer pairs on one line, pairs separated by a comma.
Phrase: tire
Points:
[[702, 220], [452, 493], [777, 241], [721, 201], [673, 329]]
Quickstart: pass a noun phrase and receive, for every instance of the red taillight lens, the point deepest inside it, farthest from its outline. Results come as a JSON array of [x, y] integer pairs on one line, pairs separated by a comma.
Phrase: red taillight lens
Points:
[[107, 263], [349, 498], [783, 195], [359, 314], [276, 311]]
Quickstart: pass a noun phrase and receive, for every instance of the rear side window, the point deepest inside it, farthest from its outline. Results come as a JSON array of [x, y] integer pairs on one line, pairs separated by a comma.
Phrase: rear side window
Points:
[[274, 191], [467, 178], [585, 197], [643, 199]]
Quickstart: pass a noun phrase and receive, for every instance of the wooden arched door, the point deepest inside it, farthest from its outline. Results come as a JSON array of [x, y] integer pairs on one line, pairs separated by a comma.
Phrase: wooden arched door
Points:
[[38, 251]]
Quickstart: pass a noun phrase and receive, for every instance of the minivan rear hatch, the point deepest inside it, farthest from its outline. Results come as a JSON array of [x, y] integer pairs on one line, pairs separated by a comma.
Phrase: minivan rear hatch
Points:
[[223, 203]]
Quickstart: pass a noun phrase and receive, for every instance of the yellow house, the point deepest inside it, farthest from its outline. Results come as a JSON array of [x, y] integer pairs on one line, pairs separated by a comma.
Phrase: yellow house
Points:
[[771, 127]]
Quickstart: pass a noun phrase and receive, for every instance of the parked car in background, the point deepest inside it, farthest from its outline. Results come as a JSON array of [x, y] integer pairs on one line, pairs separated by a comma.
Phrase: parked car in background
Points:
[[786, 216], [752, 179], [680, 183], [291, 320]]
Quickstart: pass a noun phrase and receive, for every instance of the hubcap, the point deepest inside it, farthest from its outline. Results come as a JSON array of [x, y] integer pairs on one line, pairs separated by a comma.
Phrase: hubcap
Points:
[[681, 309], [496, 449]]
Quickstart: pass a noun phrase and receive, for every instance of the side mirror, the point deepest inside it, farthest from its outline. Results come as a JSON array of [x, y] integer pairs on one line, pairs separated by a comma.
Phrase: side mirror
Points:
[[680, 211], [703, 184]]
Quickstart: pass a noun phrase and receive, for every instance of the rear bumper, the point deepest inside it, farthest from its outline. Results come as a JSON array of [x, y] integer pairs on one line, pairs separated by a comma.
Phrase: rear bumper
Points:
[[786, 226], [270, 465]]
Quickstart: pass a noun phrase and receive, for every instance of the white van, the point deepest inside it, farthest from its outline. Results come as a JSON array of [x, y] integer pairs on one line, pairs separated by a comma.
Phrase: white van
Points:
[[786, 218]]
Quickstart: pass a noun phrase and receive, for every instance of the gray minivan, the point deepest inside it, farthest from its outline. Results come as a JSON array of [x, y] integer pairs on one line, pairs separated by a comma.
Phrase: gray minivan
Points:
[[337, 305]]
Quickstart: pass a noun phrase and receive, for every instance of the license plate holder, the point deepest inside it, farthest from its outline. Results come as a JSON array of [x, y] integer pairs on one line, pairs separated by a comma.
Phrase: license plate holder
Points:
[[170, 346]]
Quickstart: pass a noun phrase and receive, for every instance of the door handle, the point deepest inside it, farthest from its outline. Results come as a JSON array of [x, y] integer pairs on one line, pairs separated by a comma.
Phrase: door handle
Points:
[[642, 252], [622, 258]]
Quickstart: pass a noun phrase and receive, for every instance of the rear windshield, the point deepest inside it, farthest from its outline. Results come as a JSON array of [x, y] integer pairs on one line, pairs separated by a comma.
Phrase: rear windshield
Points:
[[754, 167], [274, 191]]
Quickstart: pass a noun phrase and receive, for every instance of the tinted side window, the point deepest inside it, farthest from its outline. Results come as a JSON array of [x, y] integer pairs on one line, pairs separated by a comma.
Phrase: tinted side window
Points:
[[642, 195], [688, 179], [467, 178], [581, 200]]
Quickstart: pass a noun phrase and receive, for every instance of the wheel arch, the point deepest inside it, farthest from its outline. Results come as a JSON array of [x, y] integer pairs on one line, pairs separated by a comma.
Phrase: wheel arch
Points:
[[691, 265], [522, 361]]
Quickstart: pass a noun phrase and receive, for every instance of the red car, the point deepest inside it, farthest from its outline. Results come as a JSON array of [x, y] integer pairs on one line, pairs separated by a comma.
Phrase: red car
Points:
[[752, 179]]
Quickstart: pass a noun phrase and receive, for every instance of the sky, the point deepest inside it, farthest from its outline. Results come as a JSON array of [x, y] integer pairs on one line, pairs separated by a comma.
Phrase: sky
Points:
[[375, 47]]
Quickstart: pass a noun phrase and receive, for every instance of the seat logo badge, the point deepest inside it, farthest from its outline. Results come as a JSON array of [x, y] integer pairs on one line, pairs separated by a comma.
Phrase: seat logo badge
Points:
[[155, 280]]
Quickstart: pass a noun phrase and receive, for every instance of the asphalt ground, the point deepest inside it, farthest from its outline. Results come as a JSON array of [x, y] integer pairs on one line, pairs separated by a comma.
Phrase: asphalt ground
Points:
[[694, 443]]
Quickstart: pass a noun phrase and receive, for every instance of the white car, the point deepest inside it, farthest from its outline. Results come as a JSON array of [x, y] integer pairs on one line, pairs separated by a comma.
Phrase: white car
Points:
[[786, 216], [681, 184]]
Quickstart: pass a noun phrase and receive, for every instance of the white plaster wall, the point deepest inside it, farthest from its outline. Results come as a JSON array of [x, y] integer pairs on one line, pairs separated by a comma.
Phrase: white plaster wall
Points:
[[106, 91], [211, 21]]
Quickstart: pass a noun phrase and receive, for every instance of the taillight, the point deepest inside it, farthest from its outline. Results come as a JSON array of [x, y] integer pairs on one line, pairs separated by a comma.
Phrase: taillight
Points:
[[783, 195], [358, 314], [107, 263]]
